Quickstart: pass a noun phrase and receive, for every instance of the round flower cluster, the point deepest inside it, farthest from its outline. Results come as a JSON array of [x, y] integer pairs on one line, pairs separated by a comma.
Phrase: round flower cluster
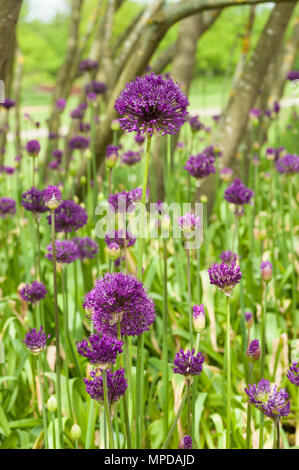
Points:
[[7, 207], [225, 276], [237, 193], [254, 351], [195, 124], [288, 165], [66, 251], [87, 65], [189, 223], [228, 257], [79, 142], [200, 166], [120, 237], [116, 384], [33, 201], [151, 105], [95, 87], [86, 246], [131, 158], [101, 351], [52, 197], [69, 217], [126, 200], [293, 373], [34, 292], [187, 363], [33, 148], [36, 341], [119, 297], [271, 401]]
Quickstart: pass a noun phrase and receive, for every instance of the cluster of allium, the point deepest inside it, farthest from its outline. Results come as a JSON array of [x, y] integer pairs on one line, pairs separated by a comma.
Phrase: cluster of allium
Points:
[[57, 154], [289, 164], [34, 292], [139, 139], [7, 207], [84, 127], [212, 151], [200, 166], [131, 158], [151, 105], [189, 222], [36, 341], [293, 373], [33, 148], [195, 124], [185, 442], [33, 201], [8, 103], [225, 276], [119, 297], [274, 153], [120, 237], [86, 246], [52, 197], [9, 170], [293, 75], [254, 351], [87, 65], [116, 384], [69, 217], [60, 104], [228, 257], [95, 87], [77, 113], [271, 401], [53, 136], [126, 200], [187, 363], [66, 251], [237, 193], [79, 142], [101, 351]]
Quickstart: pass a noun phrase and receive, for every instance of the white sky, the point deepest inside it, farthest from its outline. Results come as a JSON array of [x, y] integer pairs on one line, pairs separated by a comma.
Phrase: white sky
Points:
[[46, 9]]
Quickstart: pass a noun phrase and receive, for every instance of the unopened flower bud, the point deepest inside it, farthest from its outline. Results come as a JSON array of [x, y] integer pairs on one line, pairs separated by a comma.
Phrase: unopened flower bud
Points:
[[248, 319], [185, 442], [199, 319], [254, 351], [83, 180], [52, 404], [266, 270], [113, 251], [76, 432]]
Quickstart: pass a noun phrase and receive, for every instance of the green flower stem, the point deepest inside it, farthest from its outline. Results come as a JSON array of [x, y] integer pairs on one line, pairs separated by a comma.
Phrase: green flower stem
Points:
[[65, 326], [165, 341], [294, 290], [277, 424], [44, 411], [53, 433], [125, 404], [228, 372], [263, 353], [248, 429], [109, 181], [93, 153], [58, 385], [188, 383], [107, 410], [90, 424], [189, 298], [177, 417]]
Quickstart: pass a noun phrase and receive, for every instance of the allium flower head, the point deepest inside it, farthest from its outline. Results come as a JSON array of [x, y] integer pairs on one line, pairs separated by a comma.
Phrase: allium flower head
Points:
[[36, 341], [187, 363], [288, 165], [131, 158], [248, 319], [8, 103], [86, 246], [60, 104], [113, 251], [77, 113], [225, 276], [101, 351], [266, 270], [52, 197], [120, 237], [195, 124], [274, 153], [87, 65], [254, 351], [7, 207], [79, 142], [33, 148], [199, 319], [189, 223], [139, 139], [226, 174], [185, 442], [33, 201], [69, 217], [95, 87], [151, 105], [293, 373], [228, 257], [200, 166], [66, 251], [270, 400], [116, 384], [237, 193], [34, 292], [119, 297], [293, 75], [111, 155]]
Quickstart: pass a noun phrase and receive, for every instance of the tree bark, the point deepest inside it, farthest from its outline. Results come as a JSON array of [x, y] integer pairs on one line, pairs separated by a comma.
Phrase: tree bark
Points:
[[10, 11]]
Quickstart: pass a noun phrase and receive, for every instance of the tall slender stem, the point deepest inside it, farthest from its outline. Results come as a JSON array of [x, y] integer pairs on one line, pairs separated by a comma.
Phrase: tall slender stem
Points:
[[165, 341], [44, 411], [228, 371], [248, 429], [189, 407], [177, 417], [189, 298], [277, 433], [125, 404], [263, 353], [107, 409]]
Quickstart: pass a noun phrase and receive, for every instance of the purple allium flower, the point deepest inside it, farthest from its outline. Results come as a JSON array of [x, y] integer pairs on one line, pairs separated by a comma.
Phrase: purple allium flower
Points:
[[53, 136], [101, 351], [60, 104], [69, 217], [185, 442], [87, 65], [57, 154], [254, 351], [33, 148], [86, 246], [248, 319], [237, 193], [131, 158], [98, 88], [91, 97], [77, 113], [228, 257], [255, 113], [293, 75], [8, 103], [113, 251], [199, 319], [139, 139], [120, 237], [79, 142], [225, 276], [187, 363], [226, 174], [195, 124], [7, 207], [274, 153], [266, 270], [180, 146], [36, 341], [52, 197], [34, 292], [120, 297], [66, 251], [293, 373], [271, 401], [125, 201], [9, 170], [33, 201], [216, 118], [151, 105], [116, 384], [189, 223], [200, 166], [84, 127], [276, 107], [288, 165], [111, 155]]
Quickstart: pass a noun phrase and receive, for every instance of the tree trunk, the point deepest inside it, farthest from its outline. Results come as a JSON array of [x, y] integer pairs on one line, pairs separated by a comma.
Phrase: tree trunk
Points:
[[9, 15]]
